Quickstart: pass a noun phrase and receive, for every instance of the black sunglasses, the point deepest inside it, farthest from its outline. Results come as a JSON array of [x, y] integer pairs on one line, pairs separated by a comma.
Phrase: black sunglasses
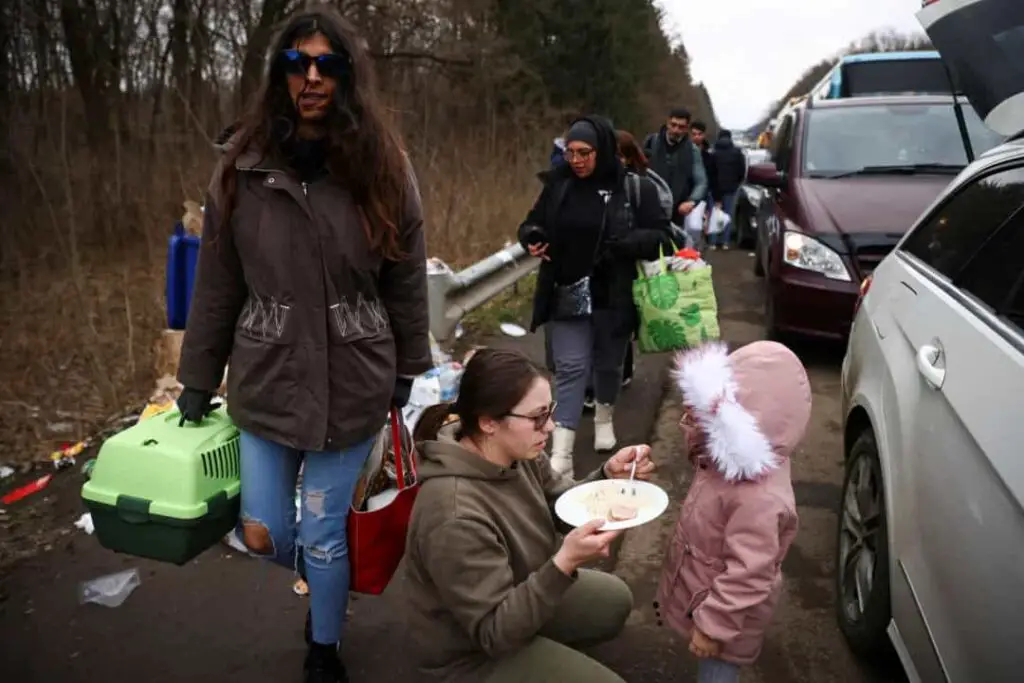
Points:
[[538, 420], [332, 65]]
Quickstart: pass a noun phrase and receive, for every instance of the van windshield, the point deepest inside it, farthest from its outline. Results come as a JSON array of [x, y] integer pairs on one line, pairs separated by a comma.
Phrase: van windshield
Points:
[[845, 140]]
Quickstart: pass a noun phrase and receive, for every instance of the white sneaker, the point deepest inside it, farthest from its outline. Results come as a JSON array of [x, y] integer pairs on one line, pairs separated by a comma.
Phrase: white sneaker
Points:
[[234, 541], [562, 442], [604, 430]]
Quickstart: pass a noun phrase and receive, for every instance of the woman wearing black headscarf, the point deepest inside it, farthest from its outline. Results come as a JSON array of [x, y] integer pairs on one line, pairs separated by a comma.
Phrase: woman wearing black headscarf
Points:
[[589, 239]]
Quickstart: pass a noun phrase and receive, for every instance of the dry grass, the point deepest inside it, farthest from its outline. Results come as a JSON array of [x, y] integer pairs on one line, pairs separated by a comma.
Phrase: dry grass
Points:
[[79, 319]]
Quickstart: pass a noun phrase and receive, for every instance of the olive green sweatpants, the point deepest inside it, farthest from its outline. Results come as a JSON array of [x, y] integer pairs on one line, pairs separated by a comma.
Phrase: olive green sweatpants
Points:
[[593, 611]]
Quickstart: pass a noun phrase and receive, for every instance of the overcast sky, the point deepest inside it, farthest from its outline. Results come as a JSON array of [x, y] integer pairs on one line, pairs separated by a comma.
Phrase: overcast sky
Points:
[[749, 52]]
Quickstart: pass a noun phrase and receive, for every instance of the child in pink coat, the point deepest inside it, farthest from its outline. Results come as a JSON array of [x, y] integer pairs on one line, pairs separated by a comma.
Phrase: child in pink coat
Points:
[[744, 415]]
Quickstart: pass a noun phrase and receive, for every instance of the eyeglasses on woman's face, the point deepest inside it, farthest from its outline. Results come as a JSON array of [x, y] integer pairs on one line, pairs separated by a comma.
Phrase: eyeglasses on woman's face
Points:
[[578, 153], [539, 418]]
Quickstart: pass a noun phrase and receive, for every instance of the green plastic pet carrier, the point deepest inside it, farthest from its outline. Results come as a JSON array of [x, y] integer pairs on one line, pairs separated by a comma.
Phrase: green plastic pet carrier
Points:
[[166, 492]]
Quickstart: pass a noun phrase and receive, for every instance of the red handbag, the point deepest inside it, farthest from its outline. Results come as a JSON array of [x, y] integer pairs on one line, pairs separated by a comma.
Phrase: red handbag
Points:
[[376, 539]]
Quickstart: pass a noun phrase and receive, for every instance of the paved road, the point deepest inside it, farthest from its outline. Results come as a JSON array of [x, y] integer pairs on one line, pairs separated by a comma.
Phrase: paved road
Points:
[[226, 617]]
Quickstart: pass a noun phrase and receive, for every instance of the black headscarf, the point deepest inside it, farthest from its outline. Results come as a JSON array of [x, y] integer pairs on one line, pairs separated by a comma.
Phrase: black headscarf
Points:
[[598, 132]]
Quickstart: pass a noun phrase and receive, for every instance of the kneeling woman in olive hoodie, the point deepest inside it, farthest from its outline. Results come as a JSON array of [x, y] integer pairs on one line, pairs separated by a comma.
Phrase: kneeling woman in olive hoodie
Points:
[[494, 593]]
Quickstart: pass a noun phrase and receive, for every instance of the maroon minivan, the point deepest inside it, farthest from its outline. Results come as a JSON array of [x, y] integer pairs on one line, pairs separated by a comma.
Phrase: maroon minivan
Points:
[[847, 178]]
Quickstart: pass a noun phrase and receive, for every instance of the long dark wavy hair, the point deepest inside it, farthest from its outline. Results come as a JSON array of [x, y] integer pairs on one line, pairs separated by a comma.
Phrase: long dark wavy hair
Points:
[[364, 151], [630, 150]]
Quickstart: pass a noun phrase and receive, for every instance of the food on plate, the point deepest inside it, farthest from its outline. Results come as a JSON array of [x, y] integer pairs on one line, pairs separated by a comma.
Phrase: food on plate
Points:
[[613, 504], [621, 513]]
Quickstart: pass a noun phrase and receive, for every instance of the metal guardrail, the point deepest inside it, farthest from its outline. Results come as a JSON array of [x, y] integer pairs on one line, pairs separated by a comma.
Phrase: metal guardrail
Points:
[[452, 295]]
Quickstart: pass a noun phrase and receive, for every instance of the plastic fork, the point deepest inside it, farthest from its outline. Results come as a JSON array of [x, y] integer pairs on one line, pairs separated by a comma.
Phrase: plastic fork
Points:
[[632, 474]]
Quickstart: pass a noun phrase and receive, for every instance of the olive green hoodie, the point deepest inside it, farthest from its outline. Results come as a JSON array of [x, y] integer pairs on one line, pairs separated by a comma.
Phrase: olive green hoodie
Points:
[[480, 581]]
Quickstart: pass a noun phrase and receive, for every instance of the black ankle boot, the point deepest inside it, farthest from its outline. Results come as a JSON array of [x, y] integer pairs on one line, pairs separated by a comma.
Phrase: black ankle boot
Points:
[[308, 630], [323, 665]]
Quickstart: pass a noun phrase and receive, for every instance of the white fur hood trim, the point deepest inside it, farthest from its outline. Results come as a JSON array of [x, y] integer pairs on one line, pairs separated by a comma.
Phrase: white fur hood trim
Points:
[[735, 442]]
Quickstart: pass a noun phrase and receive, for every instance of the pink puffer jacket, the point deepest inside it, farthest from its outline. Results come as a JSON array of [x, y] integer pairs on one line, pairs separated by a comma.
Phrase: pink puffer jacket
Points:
[[745, 414]]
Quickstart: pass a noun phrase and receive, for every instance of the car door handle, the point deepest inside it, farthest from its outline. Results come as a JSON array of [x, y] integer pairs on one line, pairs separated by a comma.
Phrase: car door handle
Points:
[[927, 357]]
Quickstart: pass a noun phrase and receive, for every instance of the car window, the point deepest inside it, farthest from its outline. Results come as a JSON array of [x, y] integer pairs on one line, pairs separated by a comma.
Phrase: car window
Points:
[[994, 273], [783, 143], [895, 76], [1014, 311], [843, 140], [965, 232]]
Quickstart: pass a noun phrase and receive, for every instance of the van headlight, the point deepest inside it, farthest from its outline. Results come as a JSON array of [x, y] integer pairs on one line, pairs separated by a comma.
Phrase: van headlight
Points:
[[802, 251]]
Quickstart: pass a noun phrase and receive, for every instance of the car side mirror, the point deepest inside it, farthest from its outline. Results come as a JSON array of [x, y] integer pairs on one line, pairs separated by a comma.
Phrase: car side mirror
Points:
[[766, 175]]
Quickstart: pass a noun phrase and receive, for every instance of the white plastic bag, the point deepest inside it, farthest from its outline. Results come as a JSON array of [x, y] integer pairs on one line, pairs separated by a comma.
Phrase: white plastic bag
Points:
[[719, 221], [694, 221]]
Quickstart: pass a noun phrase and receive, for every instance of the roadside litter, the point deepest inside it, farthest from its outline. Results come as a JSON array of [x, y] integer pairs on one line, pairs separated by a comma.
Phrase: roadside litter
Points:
[[85, 523], [512, 330], [27, 490], [440, 384], [87, 467], [66, 456], [110, 590]]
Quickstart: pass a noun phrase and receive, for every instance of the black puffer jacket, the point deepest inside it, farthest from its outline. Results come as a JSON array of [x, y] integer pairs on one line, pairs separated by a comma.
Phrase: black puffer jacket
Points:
[[730, 167], [629, 235]]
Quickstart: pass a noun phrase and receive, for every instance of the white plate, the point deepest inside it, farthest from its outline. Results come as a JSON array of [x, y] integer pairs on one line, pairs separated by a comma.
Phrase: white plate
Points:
[[513, 330], [651, 502]]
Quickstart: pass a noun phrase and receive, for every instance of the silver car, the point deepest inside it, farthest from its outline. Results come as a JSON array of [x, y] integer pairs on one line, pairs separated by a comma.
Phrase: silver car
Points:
[[930, 540]]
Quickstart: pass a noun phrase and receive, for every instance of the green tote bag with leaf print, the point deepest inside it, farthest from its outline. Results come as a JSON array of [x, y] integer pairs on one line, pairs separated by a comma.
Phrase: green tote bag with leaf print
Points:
[[678, 310]]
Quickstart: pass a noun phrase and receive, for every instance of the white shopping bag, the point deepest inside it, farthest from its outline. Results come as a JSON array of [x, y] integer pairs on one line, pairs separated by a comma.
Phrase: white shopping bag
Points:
[[719, 221], [694, 222]]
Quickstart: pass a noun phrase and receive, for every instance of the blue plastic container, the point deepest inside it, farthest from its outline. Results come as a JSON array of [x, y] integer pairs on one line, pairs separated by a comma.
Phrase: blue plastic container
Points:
[[182, 256]]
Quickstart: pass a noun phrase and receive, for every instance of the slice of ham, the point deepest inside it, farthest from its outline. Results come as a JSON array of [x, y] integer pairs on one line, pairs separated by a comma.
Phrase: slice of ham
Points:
[[621, 513]]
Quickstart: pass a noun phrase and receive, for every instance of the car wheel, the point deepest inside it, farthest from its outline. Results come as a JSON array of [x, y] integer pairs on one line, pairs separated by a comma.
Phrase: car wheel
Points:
[[863, 609]]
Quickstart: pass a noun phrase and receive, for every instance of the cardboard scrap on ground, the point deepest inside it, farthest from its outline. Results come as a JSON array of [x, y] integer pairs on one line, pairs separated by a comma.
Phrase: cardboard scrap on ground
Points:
[[167, 352], [192, 220], [168, 355]]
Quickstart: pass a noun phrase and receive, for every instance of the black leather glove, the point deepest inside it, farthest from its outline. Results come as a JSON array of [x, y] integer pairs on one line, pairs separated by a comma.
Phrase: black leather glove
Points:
[[194, 404], [403, 389], [534, 234]]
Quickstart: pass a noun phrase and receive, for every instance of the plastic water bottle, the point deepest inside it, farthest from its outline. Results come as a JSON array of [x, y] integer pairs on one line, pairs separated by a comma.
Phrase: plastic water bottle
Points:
[[449, 376]]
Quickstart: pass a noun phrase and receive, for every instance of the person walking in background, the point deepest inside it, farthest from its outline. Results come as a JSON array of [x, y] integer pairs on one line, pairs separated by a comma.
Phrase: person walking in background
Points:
[[312, 279], [699, 136], [730, 171], [589, 241], [556, 157], [629, 365], [674, 157]]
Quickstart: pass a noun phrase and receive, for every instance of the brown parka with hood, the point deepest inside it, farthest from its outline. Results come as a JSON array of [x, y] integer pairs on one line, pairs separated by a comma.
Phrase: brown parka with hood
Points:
[[315, 321]]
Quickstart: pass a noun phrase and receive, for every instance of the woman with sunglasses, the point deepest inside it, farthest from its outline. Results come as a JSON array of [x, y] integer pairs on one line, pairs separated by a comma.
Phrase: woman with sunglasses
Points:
[[589, 240], [312, 280], [493, 593]]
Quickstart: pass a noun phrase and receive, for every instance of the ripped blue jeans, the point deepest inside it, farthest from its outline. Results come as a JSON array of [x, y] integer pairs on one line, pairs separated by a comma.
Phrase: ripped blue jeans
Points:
[[317, 546]]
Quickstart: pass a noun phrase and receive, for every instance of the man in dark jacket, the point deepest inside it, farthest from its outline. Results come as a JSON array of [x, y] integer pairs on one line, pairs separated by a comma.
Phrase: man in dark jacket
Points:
[[730, 171], [699, 135], [675, 158]]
